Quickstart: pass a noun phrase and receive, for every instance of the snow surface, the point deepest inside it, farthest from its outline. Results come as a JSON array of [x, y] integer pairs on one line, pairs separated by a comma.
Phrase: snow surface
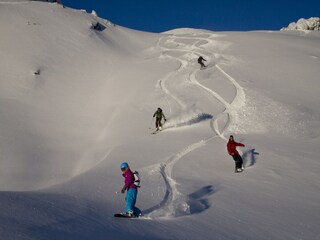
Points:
[[75, 102]]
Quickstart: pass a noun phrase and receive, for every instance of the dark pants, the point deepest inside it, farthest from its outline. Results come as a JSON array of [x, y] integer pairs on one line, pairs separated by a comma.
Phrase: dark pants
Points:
[[158, 122], [238, 161], [202, 64]]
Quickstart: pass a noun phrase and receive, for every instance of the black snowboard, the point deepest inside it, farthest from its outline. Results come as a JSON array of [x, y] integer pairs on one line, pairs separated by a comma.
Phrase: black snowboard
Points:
[[122, 215]]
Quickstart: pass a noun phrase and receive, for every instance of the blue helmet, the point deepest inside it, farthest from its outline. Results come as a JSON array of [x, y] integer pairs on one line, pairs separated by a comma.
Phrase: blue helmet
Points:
[[124, 165]]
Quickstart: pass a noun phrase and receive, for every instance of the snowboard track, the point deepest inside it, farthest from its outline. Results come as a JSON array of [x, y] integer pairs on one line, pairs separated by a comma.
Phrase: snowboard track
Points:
[[174, 203]]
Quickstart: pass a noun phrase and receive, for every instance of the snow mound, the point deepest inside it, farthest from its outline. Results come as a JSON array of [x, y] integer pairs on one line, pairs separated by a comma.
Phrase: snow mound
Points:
[[312, 23], [94, 13]]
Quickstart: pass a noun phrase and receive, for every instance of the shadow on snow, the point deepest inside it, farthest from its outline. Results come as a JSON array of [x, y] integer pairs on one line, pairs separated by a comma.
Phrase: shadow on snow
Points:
[[250, 157], [187, 120]]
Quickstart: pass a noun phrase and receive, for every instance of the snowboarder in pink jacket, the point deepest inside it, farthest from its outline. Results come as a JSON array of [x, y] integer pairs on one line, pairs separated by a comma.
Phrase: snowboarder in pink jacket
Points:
[[132, 191]]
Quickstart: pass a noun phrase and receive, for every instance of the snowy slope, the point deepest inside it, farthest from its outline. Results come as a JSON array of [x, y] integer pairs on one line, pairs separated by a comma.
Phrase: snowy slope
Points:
[[66, 107], [76, 102]]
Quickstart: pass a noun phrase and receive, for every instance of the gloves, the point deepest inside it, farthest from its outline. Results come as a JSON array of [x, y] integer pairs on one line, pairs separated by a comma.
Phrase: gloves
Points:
[[123, 190]]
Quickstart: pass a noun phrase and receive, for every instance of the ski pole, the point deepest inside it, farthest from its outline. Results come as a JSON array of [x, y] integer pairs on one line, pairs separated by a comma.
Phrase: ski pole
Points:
[[151, 122]]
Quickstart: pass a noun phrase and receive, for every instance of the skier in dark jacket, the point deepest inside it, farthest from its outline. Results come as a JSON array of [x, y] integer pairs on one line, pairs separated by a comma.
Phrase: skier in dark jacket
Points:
[[159, 114], [231, 146], [200, 61]]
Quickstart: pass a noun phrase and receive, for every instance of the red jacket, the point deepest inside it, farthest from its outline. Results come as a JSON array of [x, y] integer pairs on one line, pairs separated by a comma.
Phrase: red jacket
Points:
[[231, 146]]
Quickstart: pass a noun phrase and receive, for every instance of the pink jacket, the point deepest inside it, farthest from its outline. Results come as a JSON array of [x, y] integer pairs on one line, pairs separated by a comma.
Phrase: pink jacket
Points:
[[129, 180]]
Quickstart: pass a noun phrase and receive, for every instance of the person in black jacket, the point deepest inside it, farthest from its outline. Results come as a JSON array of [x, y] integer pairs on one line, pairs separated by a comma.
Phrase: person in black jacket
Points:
[[200, 61], [159, 114]]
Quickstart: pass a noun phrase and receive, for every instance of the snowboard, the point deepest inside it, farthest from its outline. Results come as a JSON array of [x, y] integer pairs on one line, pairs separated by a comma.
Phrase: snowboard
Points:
[[122, 215], [155, 132]]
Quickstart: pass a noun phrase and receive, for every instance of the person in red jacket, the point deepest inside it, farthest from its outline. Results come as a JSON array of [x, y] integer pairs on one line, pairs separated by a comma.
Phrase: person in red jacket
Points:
[[231, 146]]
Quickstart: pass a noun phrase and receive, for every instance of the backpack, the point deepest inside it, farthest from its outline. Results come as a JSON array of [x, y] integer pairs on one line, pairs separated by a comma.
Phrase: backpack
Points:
[[136, 179]]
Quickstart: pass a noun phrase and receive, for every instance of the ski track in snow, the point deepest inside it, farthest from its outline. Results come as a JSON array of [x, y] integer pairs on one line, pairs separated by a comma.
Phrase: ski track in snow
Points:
[[17, 2], [174, 203]]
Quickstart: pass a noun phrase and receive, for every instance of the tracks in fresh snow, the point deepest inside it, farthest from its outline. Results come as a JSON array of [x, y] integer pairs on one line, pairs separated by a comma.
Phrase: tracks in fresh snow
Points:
[[185, 49], [14, 2]]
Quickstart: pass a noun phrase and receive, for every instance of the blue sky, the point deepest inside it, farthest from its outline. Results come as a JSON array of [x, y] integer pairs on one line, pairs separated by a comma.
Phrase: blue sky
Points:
[[222, 15]]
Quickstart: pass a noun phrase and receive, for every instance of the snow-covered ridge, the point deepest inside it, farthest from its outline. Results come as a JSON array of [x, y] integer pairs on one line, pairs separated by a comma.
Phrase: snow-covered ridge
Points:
[[312, 23]]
